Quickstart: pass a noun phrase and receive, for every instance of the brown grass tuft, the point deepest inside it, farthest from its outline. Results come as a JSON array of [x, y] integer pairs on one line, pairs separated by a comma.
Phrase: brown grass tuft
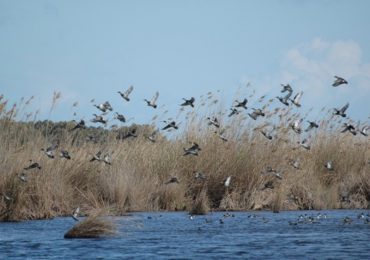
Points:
[[94, 226]]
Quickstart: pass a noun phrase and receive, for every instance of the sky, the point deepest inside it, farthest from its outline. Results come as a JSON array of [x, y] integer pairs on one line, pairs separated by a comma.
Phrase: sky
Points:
[[92, 49]]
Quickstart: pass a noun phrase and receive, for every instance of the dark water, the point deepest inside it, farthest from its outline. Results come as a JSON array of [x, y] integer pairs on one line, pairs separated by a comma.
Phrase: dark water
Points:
[[258, 235]]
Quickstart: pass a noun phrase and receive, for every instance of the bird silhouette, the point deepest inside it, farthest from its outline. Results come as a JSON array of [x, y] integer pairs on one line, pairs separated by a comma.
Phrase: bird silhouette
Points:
[[339, 81], [152, 102], [125, 95]]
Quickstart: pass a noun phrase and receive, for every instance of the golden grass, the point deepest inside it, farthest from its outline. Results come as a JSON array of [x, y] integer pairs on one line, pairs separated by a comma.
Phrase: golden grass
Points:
[[94, 226], [135, 181]]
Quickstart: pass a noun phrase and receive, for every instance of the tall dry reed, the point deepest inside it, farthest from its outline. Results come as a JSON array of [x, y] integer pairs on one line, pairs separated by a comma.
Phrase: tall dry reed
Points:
[[135, 181]]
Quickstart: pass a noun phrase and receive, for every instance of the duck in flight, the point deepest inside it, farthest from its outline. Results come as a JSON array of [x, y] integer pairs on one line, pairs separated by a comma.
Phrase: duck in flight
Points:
[[170, 125], [339, 81], [49, 152], [75, 214], [125, 95], [188, 102], [242, 104], [342, 111], [33, 166], [99, 119], [311, 126], [297, 99], [192, 150], [80, 125], [152, 136], [286, 88], [234, 111], [152, 102], [256, 113], [213, 121], [120, 117], [285, 99], [172, 180]]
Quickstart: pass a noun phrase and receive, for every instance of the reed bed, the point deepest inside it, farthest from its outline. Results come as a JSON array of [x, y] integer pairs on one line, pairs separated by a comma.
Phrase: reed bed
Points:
[[135, 180]]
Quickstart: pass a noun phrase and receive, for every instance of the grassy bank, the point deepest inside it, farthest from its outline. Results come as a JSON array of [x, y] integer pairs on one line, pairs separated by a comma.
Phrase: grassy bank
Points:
[[136, 178]]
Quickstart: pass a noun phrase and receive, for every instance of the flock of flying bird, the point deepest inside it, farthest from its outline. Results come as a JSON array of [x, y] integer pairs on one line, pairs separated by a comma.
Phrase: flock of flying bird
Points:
[[194, 148]]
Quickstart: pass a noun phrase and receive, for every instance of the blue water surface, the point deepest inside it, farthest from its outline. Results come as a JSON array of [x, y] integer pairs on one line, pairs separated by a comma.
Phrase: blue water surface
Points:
[[218, 235]]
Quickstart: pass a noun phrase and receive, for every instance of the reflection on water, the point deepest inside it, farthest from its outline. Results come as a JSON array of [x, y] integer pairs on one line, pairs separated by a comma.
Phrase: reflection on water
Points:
[[242, 235]]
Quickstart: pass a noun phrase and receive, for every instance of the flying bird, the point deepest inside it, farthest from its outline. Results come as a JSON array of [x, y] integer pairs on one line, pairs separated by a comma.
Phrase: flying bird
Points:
[[296, 126], [199, 176], [221, 135], [188, 102], [329, 165], [213, 121], [125, 95], [270, 171], [286, 88], [285, 99], [234, 111], [6, 197], [266, 134], [172, 180], [152, 136], [170, 125], [341, 112], [363, 130], [104, 107], [33, 166], [120, 117], [304, 144], [65, 154], [339, 81], [311, 125], [227, 182], [99, 119], [75, 214], [152, 102], [295, 164], [49, 152], [23, 177], [192, 150], [350, 128], [107, 159], [297, 99], [242, 104], [256, 113], [96, 157], [80, 125]]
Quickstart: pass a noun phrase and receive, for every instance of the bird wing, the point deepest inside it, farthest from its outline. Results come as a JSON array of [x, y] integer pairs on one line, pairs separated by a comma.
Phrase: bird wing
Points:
[[343, 109], [298, 97], [296, 123], [130, 89], [287, 96], [154, 99], [52, 148]]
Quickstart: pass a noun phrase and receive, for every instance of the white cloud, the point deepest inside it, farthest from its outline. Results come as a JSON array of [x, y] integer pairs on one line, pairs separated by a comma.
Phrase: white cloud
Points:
[[311, 67]]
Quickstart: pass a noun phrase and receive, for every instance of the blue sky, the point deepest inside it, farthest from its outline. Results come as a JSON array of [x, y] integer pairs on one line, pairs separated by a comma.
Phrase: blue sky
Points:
[[92, 49]]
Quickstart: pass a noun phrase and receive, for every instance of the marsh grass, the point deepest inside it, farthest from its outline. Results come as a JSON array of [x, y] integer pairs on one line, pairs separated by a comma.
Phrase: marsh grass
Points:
[[200, 205], [135, 181]]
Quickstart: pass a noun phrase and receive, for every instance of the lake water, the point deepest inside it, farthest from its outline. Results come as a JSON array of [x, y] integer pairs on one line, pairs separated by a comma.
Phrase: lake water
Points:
[[258, 235]]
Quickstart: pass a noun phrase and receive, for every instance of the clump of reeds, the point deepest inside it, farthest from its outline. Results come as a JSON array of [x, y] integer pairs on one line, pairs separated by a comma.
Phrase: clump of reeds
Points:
[[277, 202], [200, 205], [96, 225]]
